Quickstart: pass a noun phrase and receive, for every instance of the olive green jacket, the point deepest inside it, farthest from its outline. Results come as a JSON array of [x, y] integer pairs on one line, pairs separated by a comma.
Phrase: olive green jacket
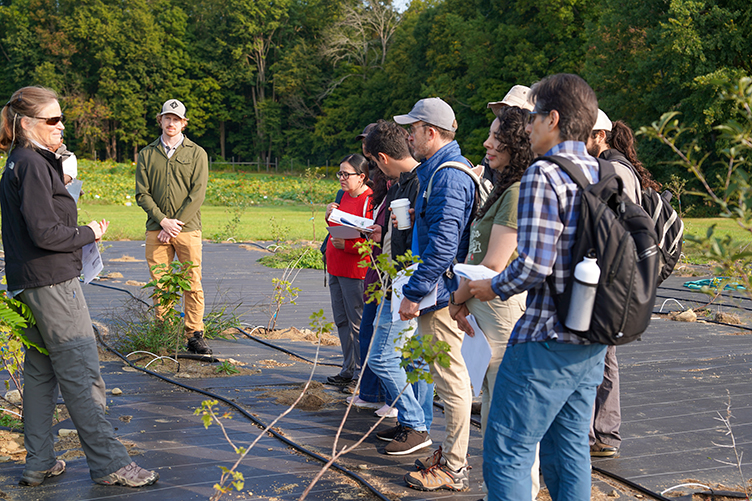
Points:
[[172, 188]]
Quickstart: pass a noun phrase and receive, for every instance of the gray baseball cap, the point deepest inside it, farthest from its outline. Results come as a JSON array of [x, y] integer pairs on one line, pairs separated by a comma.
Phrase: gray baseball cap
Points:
[[173, 106], [365, 132], [432, 110]]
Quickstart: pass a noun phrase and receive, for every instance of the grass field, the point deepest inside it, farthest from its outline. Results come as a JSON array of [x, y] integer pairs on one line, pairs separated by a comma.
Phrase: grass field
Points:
[[291, 222]]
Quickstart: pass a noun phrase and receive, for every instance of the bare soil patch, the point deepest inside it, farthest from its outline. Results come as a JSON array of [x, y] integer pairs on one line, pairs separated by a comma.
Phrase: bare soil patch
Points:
[[127, 259], [315, 398]]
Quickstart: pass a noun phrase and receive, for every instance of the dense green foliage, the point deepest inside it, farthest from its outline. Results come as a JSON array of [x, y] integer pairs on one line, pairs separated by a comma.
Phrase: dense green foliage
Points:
[[296, 80]]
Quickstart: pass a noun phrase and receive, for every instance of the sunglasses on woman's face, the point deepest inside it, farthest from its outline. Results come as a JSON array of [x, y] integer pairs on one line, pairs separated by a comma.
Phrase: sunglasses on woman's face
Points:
[[51, 120]]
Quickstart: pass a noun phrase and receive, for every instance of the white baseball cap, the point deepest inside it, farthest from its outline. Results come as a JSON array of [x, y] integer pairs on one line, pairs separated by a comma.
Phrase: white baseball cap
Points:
[[175, 107], [603, 122]]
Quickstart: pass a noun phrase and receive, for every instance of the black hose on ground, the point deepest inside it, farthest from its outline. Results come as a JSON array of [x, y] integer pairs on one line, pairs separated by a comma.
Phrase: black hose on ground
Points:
[[631, 484], [245, 413], [283, 350]]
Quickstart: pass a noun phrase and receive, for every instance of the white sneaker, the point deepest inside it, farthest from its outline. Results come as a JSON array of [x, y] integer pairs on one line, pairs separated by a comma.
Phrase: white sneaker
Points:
[[386, 411], [359, 402]]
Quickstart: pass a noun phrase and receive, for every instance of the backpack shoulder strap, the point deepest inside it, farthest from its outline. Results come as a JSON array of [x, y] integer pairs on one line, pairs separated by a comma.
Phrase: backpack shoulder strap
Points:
[[452, 165], [340, 194], [572, 170]]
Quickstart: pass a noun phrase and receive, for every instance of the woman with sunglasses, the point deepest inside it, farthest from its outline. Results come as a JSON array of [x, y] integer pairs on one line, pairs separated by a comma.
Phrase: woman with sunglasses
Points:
[[43, 242], [493, 243], [342, 258]]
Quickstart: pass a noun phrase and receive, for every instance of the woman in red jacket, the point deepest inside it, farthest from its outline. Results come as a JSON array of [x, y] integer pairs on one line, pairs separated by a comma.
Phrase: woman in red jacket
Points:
[[342, 258]]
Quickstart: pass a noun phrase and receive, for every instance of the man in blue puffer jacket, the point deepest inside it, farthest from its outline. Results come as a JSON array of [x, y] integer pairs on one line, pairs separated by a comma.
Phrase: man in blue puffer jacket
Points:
[[440, 235]]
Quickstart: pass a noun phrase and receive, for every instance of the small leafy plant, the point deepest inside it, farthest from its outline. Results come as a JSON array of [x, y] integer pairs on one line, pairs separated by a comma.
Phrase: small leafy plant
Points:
[[226, 368]]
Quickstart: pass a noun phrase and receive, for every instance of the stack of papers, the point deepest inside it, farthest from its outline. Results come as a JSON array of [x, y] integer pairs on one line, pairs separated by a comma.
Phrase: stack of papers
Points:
[[352, 226], [398, 283]]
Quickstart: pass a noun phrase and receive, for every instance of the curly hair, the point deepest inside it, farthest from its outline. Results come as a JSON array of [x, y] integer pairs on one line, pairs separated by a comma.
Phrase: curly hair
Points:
[[512, 138]]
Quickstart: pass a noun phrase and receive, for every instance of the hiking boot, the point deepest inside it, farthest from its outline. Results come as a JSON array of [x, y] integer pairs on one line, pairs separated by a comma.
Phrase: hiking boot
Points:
[[434, 459], [408, 441], [130, 475], [197, 344], [601, 450], [389, 434], [439, 477], [338, 380], [34, 478], [386, 411], [349, 388]]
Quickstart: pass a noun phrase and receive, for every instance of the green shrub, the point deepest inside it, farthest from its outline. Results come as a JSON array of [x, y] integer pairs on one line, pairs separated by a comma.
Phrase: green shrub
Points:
[[303, 257]]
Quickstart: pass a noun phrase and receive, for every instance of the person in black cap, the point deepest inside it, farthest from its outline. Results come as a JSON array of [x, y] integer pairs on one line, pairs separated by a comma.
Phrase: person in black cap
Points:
[[171, 177]]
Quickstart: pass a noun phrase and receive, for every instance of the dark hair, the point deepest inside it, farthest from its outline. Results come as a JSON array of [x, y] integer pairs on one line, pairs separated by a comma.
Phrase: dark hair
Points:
[[25, 102], [573, 99], [621, 138], [360, 164], [387, 138], [378, 180], [512, 138]]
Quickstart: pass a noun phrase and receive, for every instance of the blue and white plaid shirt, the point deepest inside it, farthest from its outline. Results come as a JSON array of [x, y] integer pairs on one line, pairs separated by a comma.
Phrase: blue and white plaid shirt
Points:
[[547, 215]]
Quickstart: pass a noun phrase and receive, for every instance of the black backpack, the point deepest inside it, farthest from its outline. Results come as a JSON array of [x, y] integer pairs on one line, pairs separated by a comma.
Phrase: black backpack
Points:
[[669, 229], [622, 236]]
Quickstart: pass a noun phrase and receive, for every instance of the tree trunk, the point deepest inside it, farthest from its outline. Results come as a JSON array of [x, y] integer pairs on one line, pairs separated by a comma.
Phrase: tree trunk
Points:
[[222, 139]]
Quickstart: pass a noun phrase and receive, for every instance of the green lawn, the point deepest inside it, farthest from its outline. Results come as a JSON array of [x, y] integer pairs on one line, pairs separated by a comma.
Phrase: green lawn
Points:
[[292, 222]]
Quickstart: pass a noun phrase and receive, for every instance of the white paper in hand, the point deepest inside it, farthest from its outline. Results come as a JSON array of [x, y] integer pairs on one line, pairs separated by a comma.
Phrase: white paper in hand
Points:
[[474, 271], [91, 261], [477, 354], [343, 218], [398, 283]]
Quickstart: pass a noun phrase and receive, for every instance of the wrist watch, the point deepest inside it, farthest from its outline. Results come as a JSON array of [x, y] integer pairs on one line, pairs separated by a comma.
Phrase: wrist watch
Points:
[[451, 300]]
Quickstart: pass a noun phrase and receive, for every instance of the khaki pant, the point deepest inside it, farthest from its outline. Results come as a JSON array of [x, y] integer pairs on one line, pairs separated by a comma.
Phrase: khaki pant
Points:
[[496, 318], [452, 385], [187, 245]]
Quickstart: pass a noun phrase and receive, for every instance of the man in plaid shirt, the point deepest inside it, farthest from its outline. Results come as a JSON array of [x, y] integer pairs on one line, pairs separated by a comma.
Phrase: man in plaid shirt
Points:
[[547, 381]]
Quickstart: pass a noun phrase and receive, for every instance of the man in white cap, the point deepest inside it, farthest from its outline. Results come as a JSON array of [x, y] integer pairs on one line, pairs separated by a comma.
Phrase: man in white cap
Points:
[[171, 178], [604, 437], [440, 235]]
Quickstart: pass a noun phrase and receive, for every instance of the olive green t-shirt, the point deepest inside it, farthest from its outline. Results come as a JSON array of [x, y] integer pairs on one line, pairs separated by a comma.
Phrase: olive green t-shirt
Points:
[[502, 212]]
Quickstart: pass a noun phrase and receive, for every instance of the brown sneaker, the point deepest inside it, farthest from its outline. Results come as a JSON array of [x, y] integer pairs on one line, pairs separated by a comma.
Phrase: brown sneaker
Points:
[[408, 441], [434, 459], [130, 475], [34, 478], [601, 450], [439, 477], [389, 434]]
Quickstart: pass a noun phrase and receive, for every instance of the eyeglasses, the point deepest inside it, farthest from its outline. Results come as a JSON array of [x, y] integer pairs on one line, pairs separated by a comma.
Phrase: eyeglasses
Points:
[[412, 130], [346, 175], [51, 120], [531, 115]]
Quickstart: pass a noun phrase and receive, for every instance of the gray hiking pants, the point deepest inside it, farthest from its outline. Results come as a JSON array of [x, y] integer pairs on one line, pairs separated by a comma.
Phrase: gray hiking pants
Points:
[[64, 328], [606, 421], [347, 308]]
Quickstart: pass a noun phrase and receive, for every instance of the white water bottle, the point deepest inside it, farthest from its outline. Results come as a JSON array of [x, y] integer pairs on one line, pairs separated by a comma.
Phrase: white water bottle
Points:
[[586, 276]]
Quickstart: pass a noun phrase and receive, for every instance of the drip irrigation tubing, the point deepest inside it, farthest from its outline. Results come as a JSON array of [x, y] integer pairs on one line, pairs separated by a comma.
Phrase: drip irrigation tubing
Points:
[[724, 305], [283, 350], [732, 294], [631, 484], [250, 417], [302, 449]]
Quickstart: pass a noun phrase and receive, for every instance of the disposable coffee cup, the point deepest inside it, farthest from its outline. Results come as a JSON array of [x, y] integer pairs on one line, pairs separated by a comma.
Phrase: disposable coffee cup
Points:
[[400, 208]]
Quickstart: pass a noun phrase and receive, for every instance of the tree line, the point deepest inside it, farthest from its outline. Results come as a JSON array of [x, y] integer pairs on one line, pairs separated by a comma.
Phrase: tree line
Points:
[[298, 79]]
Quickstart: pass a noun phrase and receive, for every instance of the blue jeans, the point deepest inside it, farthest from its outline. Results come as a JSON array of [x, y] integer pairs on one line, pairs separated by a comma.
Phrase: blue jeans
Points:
[[544, 393], [385, 362], [370, 386]]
